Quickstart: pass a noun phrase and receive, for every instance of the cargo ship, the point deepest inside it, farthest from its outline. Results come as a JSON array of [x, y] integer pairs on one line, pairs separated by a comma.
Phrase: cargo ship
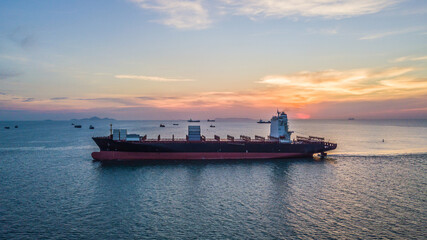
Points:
[[121, 146]]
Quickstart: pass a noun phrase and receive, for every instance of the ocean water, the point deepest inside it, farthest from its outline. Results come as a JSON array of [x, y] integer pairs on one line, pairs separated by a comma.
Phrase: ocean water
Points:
[[367, 188]]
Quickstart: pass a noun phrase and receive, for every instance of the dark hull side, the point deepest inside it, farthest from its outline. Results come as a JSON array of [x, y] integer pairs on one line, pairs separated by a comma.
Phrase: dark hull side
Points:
[[138, 156], [209, 150]]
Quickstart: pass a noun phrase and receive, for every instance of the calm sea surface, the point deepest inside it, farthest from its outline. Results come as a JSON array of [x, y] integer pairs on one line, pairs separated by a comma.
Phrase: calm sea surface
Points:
[[50, 188]]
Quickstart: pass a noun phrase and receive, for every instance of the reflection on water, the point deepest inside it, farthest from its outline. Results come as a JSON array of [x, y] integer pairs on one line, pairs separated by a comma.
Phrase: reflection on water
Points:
[[274, 199]]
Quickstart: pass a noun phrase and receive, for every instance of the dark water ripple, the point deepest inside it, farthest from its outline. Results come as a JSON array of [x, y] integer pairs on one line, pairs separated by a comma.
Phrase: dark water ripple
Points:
[[61, 194]]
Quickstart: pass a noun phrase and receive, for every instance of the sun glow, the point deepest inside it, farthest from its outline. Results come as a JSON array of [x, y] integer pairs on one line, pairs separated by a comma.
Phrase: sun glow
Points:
[[302, 116]]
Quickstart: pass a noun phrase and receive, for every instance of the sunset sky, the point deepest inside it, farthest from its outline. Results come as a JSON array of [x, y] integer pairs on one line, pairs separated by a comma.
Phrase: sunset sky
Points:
[[160, 59]]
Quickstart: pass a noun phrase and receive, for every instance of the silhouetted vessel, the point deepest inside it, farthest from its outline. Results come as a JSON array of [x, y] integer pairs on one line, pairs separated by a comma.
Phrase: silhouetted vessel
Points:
[[191, 120], [91, 127], [262, 121], [120, 146], [78, 126], [161, 125]]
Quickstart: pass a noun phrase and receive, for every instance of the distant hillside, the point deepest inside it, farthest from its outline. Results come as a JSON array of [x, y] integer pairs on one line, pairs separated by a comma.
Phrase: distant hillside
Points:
[[93, 119]]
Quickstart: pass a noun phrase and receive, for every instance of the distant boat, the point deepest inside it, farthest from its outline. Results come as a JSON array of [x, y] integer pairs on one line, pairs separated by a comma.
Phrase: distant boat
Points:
[[78, 126], [211, 120], [16, 126], [161, 125], [91, 127], [191, 120], [6, 127], [351, 118], [212, 126], [262, 121], [175, 124]]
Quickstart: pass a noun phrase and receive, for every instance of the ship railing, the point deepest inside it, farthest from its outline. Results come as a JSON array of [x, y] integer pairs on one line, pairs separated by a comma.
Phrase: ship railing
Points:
[[309, 139], [217, 139], [259, 138], [312, 139], [104, 137], [329, 145], [316, 138], [164, 140], [245, 138], [273, 138]]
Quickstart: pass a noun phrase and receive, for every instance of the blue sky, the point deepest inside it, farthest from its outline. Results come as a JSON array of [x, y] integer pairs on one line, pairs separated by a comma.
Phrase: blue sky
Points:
[[223, 58]]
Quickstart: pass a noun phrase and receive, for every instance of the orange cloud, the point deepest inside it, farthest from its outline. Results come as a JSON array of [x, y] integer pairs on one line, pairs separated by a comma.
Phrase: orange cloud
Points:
[[292, 92]]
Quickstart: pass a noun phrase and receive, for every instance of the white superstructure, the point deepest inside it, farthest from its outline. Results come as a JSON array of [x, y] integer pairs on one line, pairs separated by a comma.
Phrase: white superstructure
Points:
[[279, 128]]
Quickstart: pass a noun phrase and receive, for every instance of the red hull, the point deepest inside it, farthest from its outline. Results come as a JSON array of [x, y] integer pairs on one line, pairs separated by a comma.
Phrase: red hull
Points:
[[134, 156]]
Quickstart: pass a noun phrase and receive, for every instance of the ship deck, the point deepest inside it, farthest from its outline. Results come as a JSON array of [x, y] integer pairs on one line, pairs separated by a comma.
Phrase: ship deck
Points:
[[228, 141]]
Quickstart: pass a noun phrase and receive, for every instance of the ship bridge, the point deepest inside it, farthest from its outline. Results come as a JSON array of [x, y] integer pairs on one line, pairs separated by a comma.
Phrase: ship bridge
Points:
[[279, 128]]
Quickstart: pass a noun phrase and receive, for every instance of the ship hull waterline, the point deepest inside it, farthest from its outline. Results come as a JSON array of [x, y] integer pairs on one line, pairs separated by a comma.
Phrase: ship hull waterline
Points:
[[141, 156]]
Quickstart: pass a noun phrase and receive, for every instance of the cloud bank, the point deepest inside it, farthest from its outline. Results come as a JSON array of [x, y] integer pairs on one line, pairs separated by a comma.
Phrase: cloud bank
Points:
[[410, 58], [307, 8], [392, 33], [153, 78], [302, 93], [182, 14], [199, 14]]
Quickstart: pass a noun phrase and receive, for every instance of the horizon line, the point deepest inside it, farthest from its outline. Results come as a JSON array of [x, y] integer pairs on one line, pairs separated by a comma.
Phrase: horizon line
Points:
[[205, 120]]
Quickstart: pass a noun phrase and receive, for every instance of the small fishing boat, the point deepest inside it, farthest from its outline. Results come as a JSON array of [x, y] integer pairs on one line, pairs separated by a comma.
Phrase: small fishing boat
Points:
[[77, 126], [161, 125], [212, 126], [91, 127]]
